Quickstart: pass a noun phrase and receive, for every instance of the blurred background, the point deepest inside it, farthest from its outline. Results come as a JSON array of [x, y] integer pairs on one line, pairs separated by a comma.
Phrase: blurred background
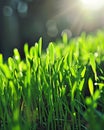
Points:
[[24, 21]]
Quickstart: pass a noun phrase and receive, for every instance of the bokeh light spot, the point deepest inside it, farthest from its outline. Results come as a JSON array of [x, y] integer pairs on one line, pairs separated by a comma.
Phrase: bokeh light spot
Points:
[[68, 32], [7, 11], [22, 7], [52, 29]]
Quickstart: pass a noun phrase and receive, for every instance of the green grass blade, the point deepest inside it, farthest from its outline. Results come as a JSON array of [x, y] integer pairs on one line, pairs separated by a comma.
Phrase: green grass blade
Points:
[[91, 87], [40, 47]]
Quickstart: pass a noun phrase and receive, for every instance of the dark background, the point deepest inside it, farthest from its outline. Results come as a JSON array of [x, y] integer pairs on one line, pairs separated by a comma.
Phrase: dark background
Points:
[[24, 21]]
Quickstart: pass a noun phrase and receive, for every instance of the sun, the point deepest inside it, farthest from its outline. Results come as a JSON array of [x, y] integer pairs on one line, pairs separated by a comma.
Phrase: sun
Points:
[[92, 4]]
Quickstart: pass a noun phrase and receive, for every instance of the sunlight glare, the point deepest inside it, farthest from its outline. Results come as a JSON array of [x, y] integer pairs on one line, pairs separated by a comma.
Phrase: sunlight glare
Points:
[[93, 4]]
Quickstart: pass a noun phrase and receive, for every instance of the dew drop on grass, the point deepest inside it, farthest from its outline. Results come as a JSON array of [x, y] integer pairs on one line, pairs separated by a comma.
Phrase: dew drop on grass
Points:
[[96, 54]]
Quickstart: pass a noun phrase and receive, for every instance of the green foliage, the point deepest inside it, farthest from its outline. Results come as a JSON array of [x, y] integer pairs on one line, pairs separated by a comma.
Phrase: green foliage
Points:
[[60, 89]]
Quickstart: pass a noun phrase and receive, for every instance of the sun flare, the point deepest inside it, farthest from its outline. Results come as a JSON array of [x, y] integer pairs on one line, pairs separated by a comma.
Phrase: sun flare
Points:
[[93, 4]]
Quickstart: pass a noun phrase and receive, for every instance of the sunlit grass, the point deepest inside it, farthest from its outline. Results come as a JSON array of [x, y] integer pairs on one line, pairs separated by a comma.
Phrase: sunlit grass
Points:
[[60, 89]]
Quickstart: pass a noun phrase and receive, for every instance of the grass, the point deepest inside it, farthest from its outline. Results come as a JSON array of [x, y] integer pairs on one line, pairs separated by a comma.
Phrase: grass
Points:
[[60, 89]]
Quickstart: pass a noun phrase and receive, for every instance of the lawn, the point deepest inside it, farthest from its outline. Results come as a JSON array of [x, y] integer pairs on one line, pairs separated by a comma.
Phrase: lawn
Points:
[[61, 88]]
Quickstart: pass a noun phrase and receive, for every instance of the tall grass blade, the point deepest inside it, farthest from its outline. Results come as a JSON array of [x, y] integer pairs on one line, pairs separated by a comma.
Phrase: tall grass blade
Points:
[[91, 87]]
